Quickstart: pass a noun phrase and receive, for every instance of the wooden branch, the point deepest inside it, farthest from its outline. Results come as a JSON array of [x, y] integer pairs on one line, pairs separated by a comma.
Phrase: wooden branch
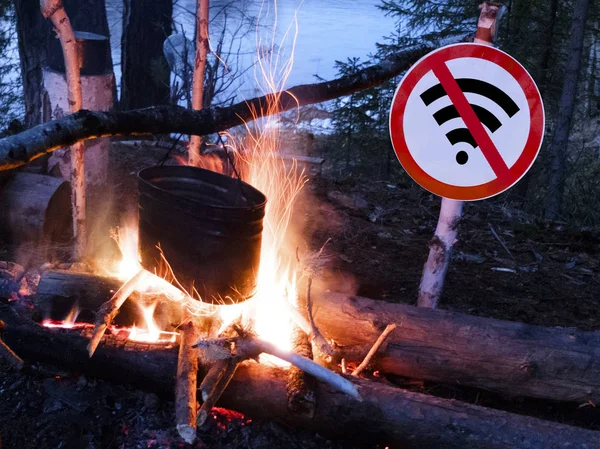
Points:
[[202, 50], [110, 309], [35, 142], [53, 10], [250, 347], [387, 415], [185, 384], [8, 354], [387, 331], [225, 374]]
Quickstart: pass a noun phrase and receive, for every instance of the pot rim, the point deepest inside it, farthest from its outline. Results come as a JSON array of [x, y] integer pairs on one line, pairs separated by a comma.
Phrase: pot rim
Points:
[[260, 205]]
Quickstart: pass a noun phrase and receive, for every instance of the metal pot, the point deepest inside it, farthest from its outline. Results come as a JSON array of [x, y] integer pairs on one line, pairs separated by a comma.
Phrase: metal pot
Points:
[[207, 225]]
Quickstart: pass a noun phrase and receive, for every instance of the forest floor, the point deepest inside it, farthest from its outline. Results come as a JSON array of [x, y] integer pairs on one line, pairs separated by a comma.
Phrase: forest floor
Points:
[[506, 265]]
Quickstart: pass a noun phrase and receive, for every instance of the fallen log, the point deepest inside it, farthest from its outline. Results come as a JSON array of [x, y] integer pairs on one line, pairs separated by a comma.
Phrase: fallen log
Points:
[[386, 414], [35, 208], [514, 359], [42, 139]]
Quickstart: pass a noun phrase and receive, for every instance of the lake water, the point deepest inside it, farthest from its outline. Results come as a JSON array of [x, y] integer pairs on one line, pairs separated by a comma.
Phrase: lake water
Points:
[[327, 30]]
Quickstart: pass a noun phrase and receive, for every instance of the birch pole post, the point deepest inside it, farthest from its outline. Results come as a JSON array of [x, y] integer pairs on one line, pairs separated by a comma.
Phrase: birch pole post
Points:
[[54, 10], [440, 246], [198, 79]]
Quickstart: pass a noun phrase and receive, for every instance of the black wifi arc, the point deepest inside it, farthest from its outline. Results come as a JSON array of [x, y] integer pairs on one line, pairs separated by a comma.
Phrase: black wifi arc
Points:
[[487, 118]]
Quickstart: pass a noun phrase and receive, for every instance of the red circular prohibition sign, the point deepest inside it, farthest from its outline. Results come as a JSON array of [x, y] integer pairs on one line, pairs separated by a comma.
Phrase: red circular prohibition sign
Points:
[[506, 177]]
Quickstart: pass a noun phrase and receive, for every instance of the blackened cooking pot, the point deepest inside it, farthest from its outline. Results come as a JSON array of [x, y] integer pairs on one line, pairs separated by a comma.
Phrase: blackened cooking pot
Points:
[[207, 225]]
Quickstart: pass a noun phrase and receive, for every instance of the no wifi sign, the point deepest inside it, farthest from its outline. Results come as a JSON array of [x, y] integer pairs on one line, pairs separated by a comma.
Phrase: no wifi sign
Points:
[[467, 122]]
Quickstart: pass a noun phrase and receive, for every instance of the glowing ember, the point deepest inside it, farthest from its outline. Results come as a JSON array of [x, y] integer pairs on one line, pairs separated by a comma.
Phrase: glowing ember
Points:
[[64, 324], [68, 323]]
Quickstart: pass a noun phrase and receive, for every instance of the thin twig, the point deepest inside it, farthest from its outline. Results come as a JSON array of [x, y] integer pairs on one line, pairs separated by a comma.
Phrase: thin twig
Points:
[[387, 331], [495, 234], [109, 310]]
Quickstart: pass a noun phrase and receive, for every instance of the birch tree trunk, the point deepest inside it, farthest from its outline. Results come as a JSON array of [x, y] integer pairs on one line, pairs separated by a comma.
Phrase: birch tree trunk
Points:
[[54, 10], [199, 66], [440, 247], [559, 146], [440, 250]]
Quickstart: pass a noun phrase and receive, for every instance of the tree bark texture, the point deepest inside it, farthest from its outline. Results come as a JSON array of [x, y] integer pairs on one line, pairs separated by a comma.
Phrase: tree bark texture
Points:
[[559, 147], [440, 251], [54, 10], [199, 68], [145, 79], [388, 415], [33, 33], [35, 208], [514, 359], [24, 147]]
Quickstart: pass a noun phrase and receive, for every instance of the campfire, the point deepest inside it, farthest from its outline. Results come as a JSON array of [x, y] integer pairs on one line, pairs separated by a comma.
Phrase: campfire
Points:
[[212, 297], [218, 254]]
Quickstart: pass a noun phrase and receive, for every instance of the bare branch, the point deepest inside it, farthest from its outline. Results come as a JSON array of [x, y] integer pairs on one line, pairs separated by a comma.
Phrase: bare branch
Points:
[[22, 148]]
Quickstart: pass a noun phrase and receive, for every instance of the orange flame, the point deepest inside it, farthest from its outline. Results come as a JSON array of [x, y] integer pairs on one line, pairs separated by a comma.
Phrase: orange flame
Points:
[[151, 333], [256, 157]]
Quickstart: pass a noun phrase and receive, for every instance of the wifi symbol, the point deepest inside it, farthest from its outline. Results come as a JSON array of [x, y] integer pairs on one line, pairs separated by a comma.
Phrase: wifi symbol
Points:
[[486, 117]]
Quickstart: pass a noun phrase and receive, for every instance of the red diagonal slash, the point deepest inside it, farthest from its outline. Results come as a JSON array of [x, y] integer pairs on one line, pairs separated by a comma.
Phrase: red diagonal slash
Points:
[[457, 97]]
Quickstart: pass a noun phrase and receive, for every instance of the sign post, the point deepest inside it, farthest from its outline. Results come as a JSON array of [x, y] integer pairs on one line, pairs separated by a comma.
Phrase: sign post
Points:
[[466, 123]]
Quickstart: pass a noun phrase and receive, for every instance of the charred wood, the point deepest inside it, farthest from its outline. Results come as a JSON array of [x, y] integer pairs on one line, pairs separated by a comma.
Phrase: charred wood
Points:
[[386, 414], [511, 358]]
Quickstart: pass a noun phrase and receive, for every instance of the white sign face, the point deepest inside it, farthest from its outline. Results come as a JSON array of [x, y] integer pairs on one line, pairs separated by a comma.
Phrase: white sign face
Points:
[[467, 121]]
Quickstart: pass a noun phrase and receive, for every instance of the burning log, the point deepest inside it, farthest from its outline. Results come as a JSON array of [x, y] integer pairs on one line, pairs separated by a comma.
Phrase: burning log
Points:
[[387, 414], [441, 346], [35, 142]]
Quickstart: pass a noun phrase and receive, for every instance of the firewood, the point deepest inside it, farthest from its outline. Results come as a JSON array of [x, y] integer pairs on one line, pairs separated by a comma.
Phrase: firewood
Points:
[[110, 309], [251, 347], [387, 331], [226, 371], [212, 376], [185, 386], [510, 358], [387, 415], [8, 354]]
